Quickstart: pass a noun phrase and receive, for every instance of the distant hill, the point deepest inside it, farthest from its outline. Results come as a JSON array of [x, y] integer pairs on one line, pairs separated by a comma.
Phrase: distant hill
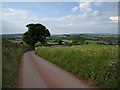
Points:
[[12, 35], [62, 36]]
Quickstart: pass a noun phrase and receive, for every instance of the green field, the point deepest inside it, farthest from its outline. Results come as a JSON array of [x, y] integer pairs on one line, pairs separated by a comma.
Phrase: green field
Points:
[[96, 63], [11, 54]]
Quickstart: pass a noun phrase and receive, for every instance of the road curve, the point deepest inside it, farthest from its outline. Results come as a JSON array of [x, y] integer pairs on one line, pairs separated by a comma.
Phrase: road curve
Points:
[[36, 72]]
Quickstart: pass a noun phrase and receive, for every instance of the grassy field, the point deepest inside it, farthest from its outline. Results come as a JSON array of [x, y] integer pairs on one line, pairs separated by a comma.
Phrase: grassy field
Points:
[[11, 54], [96, 63], [91, 42], [69, 41]]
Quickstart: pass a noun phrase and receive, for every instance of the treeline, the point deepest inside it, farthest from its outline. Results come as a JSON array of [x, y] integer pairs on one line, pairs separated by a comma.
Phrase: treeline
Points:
[[11, 54]]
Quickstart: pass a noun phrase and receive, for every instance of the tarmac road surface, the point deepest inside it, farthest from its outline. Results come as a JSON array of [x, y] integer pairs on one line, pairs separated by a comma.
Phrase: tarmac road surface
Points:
[[36, 72]]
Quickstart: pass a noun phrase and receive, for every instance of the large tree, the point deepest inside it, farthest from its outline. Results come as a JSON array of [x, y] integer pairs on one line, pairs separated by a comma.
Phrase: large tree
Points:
[[36, 33]]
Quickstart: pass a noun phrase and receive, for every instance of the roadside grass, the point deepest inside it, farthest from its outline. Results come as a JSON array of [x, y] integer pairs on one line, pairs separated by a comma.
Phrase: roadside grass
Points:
[[96, 63], [0, 63], [11, 54]]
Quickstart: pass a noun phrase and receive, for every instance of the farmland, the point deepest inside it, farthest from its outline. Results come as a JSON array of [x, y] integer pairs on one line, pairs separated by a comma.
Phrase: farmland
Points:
[[111, 39], [96, 63]]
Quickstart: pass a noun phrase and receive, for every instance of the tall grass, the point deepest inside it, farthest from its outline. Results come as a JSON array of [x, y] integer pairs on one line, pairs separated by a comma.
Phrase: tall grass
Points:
[[0, 62], [11, 54], [96, 63]]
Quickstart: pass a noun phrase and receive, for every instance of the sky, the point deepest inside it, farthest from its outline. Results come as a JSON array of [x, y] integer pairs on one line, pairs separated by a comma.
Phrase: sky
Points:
[[60, 17]]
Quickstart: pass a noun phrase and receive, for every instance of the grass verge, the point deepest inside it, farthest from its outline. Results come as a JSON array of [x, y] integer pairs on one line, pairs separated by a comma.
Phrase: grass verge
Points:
[[11, 54], [96, 63]]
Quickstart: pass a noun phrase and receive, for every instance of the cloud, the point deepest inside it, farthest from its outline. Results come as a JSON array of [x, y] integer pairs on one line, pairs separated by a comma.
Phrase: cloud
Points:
[[114, 18], [85, 7], [93, 21], [15, 15], [99, 3], [14, 20], [74, 9]]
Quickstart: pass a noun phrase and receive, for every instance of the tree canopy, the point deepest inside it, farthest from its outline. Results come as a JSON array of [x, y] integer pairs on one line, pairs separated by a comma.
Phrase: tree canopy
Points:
[[35, 33]]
